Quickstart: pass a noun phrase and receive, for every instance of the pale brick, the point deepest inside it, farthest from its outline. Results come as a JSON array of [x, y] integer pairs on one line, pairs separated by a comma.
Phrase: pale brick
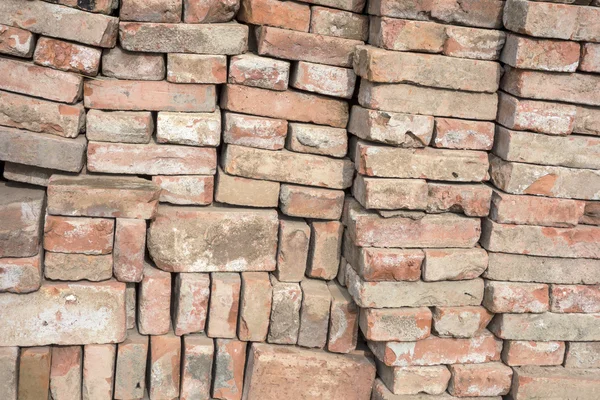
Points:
[[76, 267], [414, 380], [21, 275], [308, 202], [100, 6], [591, 214], [9, 372], [516, 297], [130, 305], [590, 58], [285, 312], [587, 121], [216, 238], [196, 367], [209, 11], [262, 72], [488, 379], [227, 39], [122, 64], [453, 264], [546, 327], [66, 373], [191, 293], [460, 134], [574, 299], [323, 79], [292, 251], [381, 392], [390, 194], [185, 189], [474, 43], [554, 382], [192, 129], [164, 366], [129, 249], [252, 131], [280, 14], [130, 369], [343, 320], [582, 355], [29, 174], [405, 35], [395, 324], [16, 42], [67, 56], [331, 22], [98, 371], [314, 139], [472, 200], [196, 68], [540, 54], [224, 305], [230, 359], [460, 322], [150, 10], [246, 192], [325, 249], [154, 301], [255, 306], [119, 126], [314, 314], [34, 373], [78, 235], [516, 353]]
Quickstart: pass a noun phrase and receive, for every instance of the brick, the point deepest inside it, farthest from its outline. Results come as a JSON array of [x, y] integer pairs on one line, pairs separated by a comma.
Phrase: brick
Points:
[[230, 359], [302, 46], [488, 379], [314, 314], [262, 72], [323, 79], [460, 322], [101, 6], [130, 305], [196, 367], [459, 134], [102, 196], [21, 275], [292, 251], [574, 299], [291, 105], [47, 19], [78, 235], [33, 80], [390, 194], [151, 11], [453, 264], [287, 15], [546, 327], [227, 39], [343, 320], [191, 293], [395, 324], [536, 116], [540, 54], [591, 215], [557, 382], [414, 380], [405, 35], [550, 181], [472, 200], [246, 192], [377, 65], [432, 101], [34, 373], [344, 24], [65, 372], [185, 189], [301, 201], [255, 306], [541, 19], [9, 372], [516, 297], [28, 174], [436, 350], [252, 131], [474, 43], [129, 249], [577, 242], [590, 57], [285, 312], [164, 364], [154, 302], [314, 139], [196, 68], [98, 371], [76, 267], [148, 96], [192, 129], [276, 372], [130, 370], [286, 166], [16, 42], [397, 129], [122, 64], [587, 121], [582, 355], [224, 305], [119, 126], [325, 249], [209, 11], [517, 353], [67, 56], [218, 239], [414, 294]]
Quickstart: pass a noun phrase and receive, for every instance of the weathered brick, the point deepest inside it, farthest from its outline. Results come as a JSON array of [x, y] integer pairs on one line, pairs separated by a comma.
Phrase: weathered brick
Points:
[[29, 174], [98, 371], [554, 382], [287, 15], [582, 355], [343, 320], [488, 379], [423, 100], [395, 324], [590, 57], [21, 275], [9, 372], [255, 306], [129, 249], [154, 301], [196, 68], [390, 194], [185, 189], [574, 299], [246, 192], [331, 22], [460, 134], [164, 364], [224, 305], [546, 327], [474, 43], [230, 359], [109, 94], [587, 121], [591, 213], [325, 249], [540, 54], [323, 79], [34, 373], [119, 126], [252, 131], [78, 235], [472, 200], [291, 105], [460, 322], [130, 372], [405, 35], [209, 11], [228, 38], [122, 64], [48, 20], [151, 11], [453, 264], [285, 312], [16, 42], [262, 72], [191, 293], [314, 313], [196, 367], [413, 380], [301, 201], [65, 372], [76, 267], [292, 251], [192, 129], [131, 305], [314, 139], [67, 56], [99, 6], [516, 353], [516, 297]]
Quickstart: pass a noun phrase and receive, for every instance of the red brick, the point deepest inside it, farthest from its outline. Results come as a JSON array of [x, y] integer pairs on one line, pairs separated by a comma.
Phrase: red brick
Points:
[[119, 126], [67, 56], [21, 275], [314, 139], [65, 372], [224, 305], [185, 189], [343, 320], [196, 68], [488, 379], [395, 324], [292, 251], [405, 35], [252, 131], [129, 249], [331, 22], [460, 134], [460, 322], [164, 364], [582, 355], [196, 367], [100, 6], [230, 359], [75, 267], [130, 370], [34, 373], [540, 54], [123, 64], [255, 306], [590, 57], [150, 11], [474, 43], [16, 42], [246, 192], [574, 299], [285, 312], [516, 353], [252, 70], [323, 79], [591, 214], [411, 381], [325, 249], [314, 314], [98, 371], [154, 302], [513, 297], [211, 11], [558, 382], [287, 15], [78, 235], [471, 200], [319, 203], [191, 293]]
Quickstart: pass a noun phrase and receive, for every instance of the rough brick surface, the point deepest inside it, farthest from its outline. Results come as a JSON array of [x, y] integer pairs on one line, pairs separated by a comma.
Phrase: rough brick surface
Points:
[[224, 305], [130, 369], [557, 382], [546, 326], [582, 355], [154, 302], [256, 297], [517, 353], [75, 267], [21, 275], [196, 68], [164, 366], [16, 42], [119, 126], [191, 293], [122, 64], [460, 322], [343, 320], [98, 371], [285, 312], [252, 131], [66, 372], [246, 192], [185, 189], [488, 379], [395, 324], [230, 358], [292, 251], [34, 373], [78, 235], [196, 368], [286, 15], [325, 249], [67, 56]]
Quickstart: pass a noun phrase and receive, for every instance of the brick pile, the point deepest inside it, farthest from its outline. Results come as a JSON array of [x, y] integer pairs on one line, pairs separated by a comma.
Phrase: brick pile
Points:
[[322, 199]]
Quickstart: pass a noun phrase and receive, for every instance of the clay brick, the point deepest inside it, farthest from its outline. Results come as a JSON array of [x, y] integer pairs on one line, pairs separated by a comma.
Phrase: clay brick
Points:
[[591, 215], [405, 35], [582, 355], [9, 372], [488, 379], [287, 15], [192, 129], [343, 320], [453, 264], [262, 72], [99, 6], [154, 301], [185, 189], [546, 327], [395, 324], [246, 192], [301, 201], [130, 370], [291, 105], [574, 299], [130, 305], [196, 367], [78, 235], [516, 297], [75, 267], [331, 22], [224, 305], [150, 11], [587, 121], [323, 79], [148, 96], [164, 364], [21, 275], [122, 64], [292, 251], [119, 126], [516, 353], [391, 128], [540, 54], [590, 57], [229, 38], [252, 131], [129, 249], [460, 134], [314, 139], [414, 380], [66, 373], [207, 11], [302, 46], [16, 42], [255, 306], [557, 382], [98, 371], [390, 194], [276, 372], [314, 314], [436, 350], [474, 43], [29, 174], [472, 200], [217, 239], [196, 68], [285, 312], [34, 373], [230, 359], [48, 20], [460, 322], [325, 249], [191, 293], [67, 56]]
